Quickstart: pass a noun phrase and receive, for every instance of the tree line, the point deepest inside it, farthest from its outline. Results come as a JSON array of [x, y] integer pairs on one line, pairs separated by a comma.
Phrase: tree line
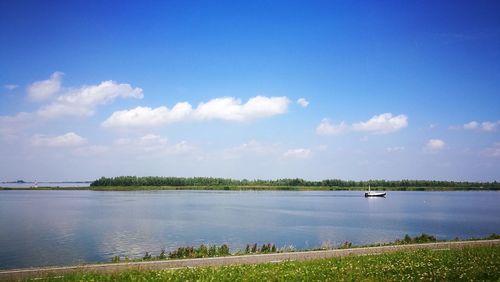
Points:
[[212, 181]]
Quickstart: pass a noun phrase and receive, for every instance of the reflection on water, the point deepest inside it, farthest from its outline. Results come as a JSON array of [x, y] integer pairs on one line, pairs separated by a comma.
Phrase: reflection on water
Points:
[[67, 227]]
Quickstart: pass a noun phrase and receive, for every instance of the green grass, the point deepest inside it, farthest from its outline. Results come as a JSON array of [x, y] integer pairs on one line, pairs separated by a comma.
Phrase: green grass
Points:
[[469, 264], [277, 188]]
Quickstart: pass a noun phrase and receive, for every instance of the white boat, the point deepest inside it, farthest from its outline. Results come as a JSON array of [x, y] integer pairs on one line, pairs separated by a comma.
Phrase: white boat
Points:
[[374, 194]]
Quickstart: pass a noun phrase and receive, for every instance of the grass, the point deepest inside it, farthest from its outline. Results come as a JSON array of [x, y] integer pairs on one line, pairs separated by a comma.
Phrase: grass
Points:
[[469, 264], [279, 188]]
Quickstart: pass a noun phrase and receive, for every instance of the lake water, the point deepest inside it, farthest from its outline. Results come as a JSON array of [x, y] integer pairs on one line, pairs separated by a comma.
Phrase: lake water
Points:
[[40, 228], [44, 184]]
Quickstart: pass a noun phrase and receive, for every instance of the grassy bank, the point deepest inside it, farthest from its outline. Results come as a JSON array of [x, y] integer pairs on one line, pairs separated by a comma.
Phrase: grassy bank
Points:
[[469, 264], [280, 188]]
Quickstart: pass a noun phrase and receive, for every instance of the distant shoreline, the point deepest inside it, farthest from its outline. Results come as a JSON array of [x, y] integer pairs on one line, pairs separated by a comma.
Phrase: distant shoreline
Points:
[[248, 188], [29, 182]]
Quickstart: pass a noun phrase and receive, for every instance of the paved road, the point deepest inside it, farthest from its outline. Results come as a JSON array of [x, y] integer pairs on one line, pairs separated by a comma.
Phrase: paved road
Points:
[[21, 274]]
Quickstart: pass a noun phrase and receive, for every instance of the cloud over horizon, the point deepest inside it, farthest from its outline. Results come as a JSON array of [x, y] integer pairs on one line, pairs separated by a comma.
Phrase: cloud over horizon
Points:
[[379, 124], [225, 108], [76, 102], [151, 145], [493, 151], [299, 153], [487, 126], [327, 128], [84, 100], [45, 89], [382, 124], [434, 145], [66, 140], [48, 131], [302, 102]]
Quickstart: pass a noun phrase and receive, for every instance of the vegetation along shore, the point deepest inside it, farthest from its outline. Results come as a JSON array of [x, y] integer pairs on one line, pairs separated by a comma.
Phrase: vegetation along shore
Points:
[[476, 263], [205, 251], [134, 183]]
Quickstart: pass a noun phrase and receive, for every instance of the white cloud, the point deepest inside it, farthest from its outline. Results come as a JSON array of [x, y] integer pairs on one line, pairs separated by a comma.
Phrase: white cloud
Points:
[[45, 89], [10, 86], [471, 125], [251, 147], [299, 153], [83, 101], [378, 124], [382, 124], [11, 126], [152, 144], [181, 147], [226, 108], [483, 126], [303, 102], [395, 149], [92, 150], [66, 140], [490, 126], [434, 145], [144, 116], [327, 128], [492, 151], [72, 102], [231, 109]]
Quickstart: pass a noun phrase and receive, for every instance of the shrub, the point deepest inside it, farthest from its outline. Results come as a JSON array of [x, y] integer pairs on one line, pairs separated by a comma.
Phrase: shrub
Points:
[[493, 236], [424, 238], [224, 250], [162, 254], [147, 256], [254, 248], [202, 251], [346, 245], [212, 251]]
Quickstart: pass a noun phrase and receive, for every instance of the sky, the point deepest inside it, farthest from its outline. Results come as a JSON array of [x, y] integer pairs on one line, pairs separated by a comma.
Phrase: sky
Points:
[[250, 89]]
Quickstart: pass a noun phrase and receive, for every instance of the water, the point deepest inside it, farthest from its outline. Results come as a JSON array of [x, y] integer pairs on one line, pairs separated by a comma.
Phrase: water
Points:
[[41, 228], [44, 184]]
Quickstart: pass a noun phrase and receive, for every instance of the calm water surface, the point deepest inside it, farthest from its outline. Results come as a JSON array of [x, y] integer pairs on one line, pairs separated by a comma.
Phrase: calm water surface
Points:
[[44, 184], [39, 228]]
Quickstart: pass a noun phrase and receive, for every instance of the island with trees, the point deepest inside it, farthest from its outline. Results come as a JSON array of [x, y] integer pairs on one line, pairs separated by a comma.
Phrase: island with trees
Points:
[[210, 183]]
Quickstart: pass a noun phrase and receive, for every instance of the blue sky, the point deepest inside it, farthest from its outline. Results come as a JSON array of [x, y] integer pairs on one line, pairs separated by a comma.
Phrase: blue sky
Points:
[[389, 89]]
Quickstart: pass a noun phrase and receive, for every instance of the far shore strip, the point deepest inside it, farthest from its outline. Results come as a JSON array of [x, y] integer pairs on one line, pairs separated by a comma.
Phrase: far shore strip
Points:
[[22, 274], [248, 188]]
